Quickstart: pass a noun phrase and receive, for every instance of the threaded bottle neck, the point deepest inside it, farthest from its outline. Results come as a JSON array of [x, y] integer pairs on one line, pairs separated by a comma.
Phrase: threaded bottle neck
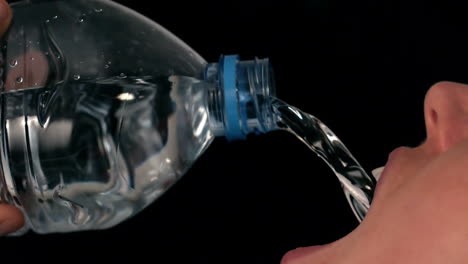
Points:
[[216, 110], [239, 100]]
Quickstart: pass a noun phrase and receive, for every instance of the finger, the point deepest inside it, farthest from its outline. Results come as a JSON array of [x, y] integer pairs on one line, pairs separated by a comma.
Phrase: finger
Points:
[[5, 16], [31, 70], [11, 219]]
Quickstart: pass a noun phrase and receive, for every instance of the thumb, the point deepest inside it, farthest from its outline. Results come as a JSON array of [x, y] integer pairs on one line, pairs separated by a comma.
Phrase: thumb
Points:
[[5, 16], [11, 219]]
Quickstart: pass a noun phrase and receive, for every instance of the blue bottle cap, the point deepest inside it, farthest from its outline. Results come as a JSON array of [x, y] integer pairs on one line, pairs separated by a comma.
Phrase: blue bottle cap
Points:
[[231, 99]]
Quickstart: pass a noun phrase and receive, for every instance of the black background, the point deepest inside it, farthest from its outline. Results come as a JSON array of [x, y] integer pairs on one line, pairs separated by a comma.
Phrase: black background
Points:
[[362, 67]]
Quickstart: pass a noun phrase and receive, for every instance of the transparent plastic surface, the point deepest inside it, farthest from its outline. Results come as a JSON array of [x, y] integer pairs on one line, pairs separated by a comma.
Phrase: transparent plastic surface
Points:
[[93, 127], [102, 110]]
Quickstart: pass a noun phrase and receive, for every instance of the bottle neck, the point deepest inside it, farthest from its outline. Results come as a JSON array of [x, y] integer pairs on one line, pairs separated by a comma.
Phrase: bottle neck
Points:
[[239, 100]]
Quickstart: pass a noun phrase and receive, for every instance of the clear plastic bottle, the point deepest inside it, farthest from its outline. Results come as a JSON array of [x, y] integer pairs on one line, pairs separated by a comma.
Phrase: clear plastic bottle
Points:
[[102, 110]]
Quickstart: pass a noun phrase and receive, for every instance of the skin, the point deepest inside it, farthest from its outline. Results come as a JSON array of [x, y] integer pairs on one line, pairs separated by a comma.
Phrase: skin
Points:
[[420, 210]]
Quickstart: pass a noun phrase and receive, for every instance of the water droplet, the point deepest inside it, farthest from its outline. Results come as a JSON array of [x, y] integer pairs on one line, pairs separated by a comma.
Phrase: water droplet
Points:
[[126, 97], [106, 66], [35, 83], [81, 19], [32, 58], [98, 10], [46, 53], [13, 63], [25, 184], [109, 62], [42, 99], [47, 21], [122, 76], [54, 17], [58, 57], [76, 77], [19, 79]]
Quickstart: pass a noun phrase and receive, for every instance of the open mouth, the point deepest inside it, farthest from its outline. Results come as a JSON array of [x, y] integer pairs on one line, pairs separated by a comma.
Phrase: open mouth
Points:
[[378, 172]]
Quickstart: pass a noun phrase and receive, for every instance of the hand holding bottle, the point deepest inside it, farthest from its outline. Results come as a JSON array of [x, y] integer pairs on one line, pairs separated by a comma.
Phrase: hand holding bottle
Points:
[[11, 218]]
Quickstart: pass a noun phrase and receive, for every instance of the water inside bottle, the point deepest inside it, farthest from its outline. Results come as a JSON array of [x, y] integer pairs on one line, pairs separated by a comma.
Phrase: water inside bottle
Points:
[[357, 186], [93, 152], [89, 153]]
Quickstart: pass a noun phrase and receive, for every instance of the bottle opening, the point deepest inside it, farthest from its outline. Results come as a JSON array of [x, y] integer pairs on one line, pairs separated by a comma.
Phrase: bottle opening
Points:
[[240, 102]]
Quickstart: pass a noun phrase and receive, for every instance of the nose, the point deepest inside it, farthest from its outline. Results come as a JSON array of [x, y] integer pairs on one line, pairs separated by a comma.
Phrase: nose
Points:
[[446, 115]]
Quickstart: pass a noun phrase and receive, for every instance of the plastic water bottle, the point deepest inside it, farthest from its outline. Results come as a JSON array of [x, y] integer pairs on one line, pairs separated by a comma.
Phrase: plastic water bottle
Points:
[[102, 110]]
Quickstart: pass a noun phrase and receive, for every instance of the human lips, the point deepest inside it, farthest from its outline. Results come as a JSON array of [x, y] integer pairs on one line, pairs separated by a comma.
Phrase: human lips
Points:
[[300, 253], [394, 154], [379, 173]]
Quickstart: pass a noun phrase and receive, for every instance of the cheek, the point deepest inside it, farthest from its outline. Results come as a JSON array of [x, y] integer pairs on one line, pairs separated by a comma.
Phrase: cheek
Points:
[[445, 177]]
